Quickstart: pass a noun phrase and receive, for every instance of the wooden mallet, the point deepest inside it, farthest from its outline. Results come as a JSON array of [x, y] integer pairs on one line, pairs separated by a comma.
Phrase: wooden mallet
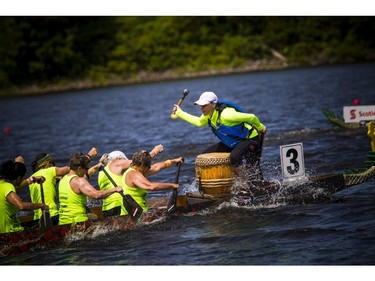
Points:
[[184, 94]]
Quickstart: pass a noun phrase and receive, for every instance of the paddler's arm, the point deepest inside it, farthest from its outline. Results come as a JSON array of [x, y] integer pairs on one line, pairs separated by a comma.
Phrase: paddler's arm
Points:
[[230, 115], [194, 120], [16, 201], [156, 150], [95, 168], [135, 178], [62, 171], [159, 166], [81, 185], [33, 179], [93, 152]]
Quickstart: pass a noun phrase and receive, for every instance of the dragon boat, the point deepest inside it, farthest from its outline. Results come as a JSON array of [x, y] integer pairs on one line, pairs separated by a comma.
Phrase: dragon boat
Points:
[[216, 183], [338, 121]]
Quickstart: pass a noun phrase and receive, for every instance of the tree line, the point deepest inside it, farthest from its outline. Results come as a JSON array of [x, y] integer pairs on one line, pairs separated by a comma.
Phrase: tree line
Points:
[[56, 50]]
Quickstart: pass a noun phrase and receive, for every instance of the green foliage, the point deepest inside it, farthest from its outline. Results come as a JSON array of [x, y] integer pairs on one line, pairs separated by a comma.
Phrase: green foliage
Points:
[[53, 50]]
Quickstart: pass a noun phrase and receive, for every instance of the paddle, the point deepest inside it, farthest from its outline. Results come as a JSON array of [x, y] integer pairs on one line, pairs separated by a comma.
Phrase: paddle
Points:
[[45, 222], [184, 94], [262, 136], [131, 206], [173, 199]]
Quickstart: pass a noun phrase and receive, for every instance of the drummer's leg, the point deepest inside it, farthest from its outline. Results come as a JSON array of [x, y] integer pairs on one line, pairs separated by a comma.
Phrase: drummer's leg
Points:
[[249, 150], [236, 158], [240, 152]]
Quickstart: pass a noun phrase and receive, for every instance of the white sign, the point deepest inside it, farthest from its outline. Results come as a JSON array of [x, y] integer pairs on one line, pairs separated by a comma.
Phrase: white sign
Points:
[[358, 113], [292, 161]]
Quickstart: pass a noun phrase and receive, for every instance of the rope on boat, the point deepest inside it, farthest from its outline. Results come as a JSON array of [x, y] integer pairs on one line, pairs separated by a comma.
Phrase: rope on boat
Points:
[[360, 176]]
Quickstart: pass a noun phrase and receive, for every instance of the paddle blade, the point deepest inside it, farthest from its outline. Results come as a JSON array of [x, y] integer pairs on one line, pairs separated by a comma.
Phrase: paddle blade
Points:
[[172, 202], [132, 207], [45, 222]]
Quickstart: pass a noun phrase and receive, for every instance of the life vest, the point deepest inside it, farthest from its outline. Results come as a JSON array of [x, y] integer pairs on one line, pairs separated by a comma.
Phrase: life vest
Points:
[[230, 135]]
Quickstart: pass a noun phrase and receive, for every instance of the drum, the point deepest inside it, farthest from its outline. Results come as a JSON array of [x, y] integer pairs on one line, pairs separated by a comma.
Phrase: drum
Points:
[[214, 173]]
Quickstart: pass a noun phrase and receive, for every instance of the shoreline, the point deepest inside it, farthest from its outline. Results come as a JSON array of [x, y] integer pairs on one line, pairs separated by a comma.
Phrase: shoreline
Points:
[[153, 77], [143, 77]]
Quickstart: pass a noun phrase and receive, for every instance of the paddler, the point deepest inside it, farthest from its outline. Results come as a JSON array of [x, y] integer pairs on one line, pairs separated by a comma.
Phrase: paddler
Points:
[[74, 189], [116, 164], [239, 133], [136, 184], [10, 203], [44, 165]]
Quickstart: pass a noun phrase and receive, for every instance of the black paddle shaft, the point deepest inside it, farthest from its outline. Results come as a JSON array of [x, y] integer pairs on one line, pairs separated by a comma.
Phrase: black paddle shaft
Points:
[[42, 192], [173, 199], [178, 172], [45, 220]]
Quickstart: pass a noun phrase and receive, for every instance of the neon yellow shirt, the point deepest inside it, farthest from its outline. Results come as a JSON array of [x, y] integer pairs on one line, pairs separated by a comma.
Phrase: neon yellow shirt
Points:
[[72, 205], [115, 199], [49, 189], [229, 117], [8, 212], [139, 194]]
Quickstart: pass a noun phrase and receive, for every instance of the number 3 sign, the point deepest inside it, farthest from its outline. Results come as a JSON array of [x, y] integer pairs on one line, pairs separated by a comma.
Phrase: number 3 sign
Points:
[[292, 161]]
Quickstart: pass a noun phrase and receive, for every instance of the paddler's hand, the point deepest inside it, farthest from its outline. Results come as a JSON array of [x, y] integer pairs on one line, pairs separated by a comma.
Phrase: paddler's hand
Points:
[[92, 153], [40, 179], [176, 108], [176, 186], [156, 150], [104, 159], [179, 160], [44, 207], [118, 189], [19, 159], [35, 179], [262, 133]]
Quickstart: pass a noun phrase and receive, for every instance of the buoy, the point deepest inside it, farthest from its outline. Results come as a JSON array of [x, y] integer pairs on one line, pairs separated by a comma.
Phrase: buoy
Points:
[[7, 130], [356, 102]]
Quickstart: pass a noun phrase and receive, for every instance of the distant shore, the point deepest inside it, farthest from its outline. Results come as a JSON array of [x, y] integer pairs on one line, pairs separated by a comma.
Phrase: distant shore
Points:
[[143, 77]]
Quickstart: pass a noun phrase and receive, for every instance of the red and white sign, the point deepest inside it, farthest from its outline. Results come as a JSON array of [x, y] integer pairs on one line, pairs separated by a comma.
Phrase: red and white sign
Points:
[[358, 113]]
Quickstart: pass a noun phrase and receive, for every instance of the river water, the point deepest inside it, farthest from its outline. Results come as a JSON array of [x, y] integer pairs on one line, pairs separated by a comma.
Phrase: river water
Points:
[[129, 118]]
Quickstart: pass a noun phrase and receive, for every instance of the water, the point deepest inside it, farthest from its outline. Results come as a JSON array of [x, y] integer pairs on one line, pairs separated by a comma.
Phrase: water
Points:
[[337, 232]]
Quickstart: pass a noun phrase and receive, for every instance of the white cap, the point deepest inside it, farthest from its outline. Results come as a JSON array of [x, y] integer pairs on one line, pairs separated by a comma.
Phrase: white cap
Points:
[[206, 98], [116, 154]]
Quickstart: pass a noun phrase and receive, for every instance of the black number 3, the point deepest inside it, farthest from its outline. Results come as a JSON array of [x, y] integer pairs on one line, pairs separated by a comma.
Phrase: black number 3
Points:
[[293, 154]]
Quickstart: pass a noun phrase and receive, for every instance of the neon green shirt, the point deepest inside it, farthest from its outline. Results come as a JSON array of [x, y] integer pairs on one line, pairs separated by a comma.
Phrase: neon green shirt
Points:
[[115, 199], [72, 205], [139, 194], [49, 189], [8, 212], [229, 117]]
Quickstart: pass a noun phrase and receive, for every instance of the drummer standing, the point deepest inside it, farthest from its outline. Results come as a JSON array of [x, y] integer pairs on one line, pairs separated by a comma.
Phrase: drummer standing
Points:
[[239, 133]]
